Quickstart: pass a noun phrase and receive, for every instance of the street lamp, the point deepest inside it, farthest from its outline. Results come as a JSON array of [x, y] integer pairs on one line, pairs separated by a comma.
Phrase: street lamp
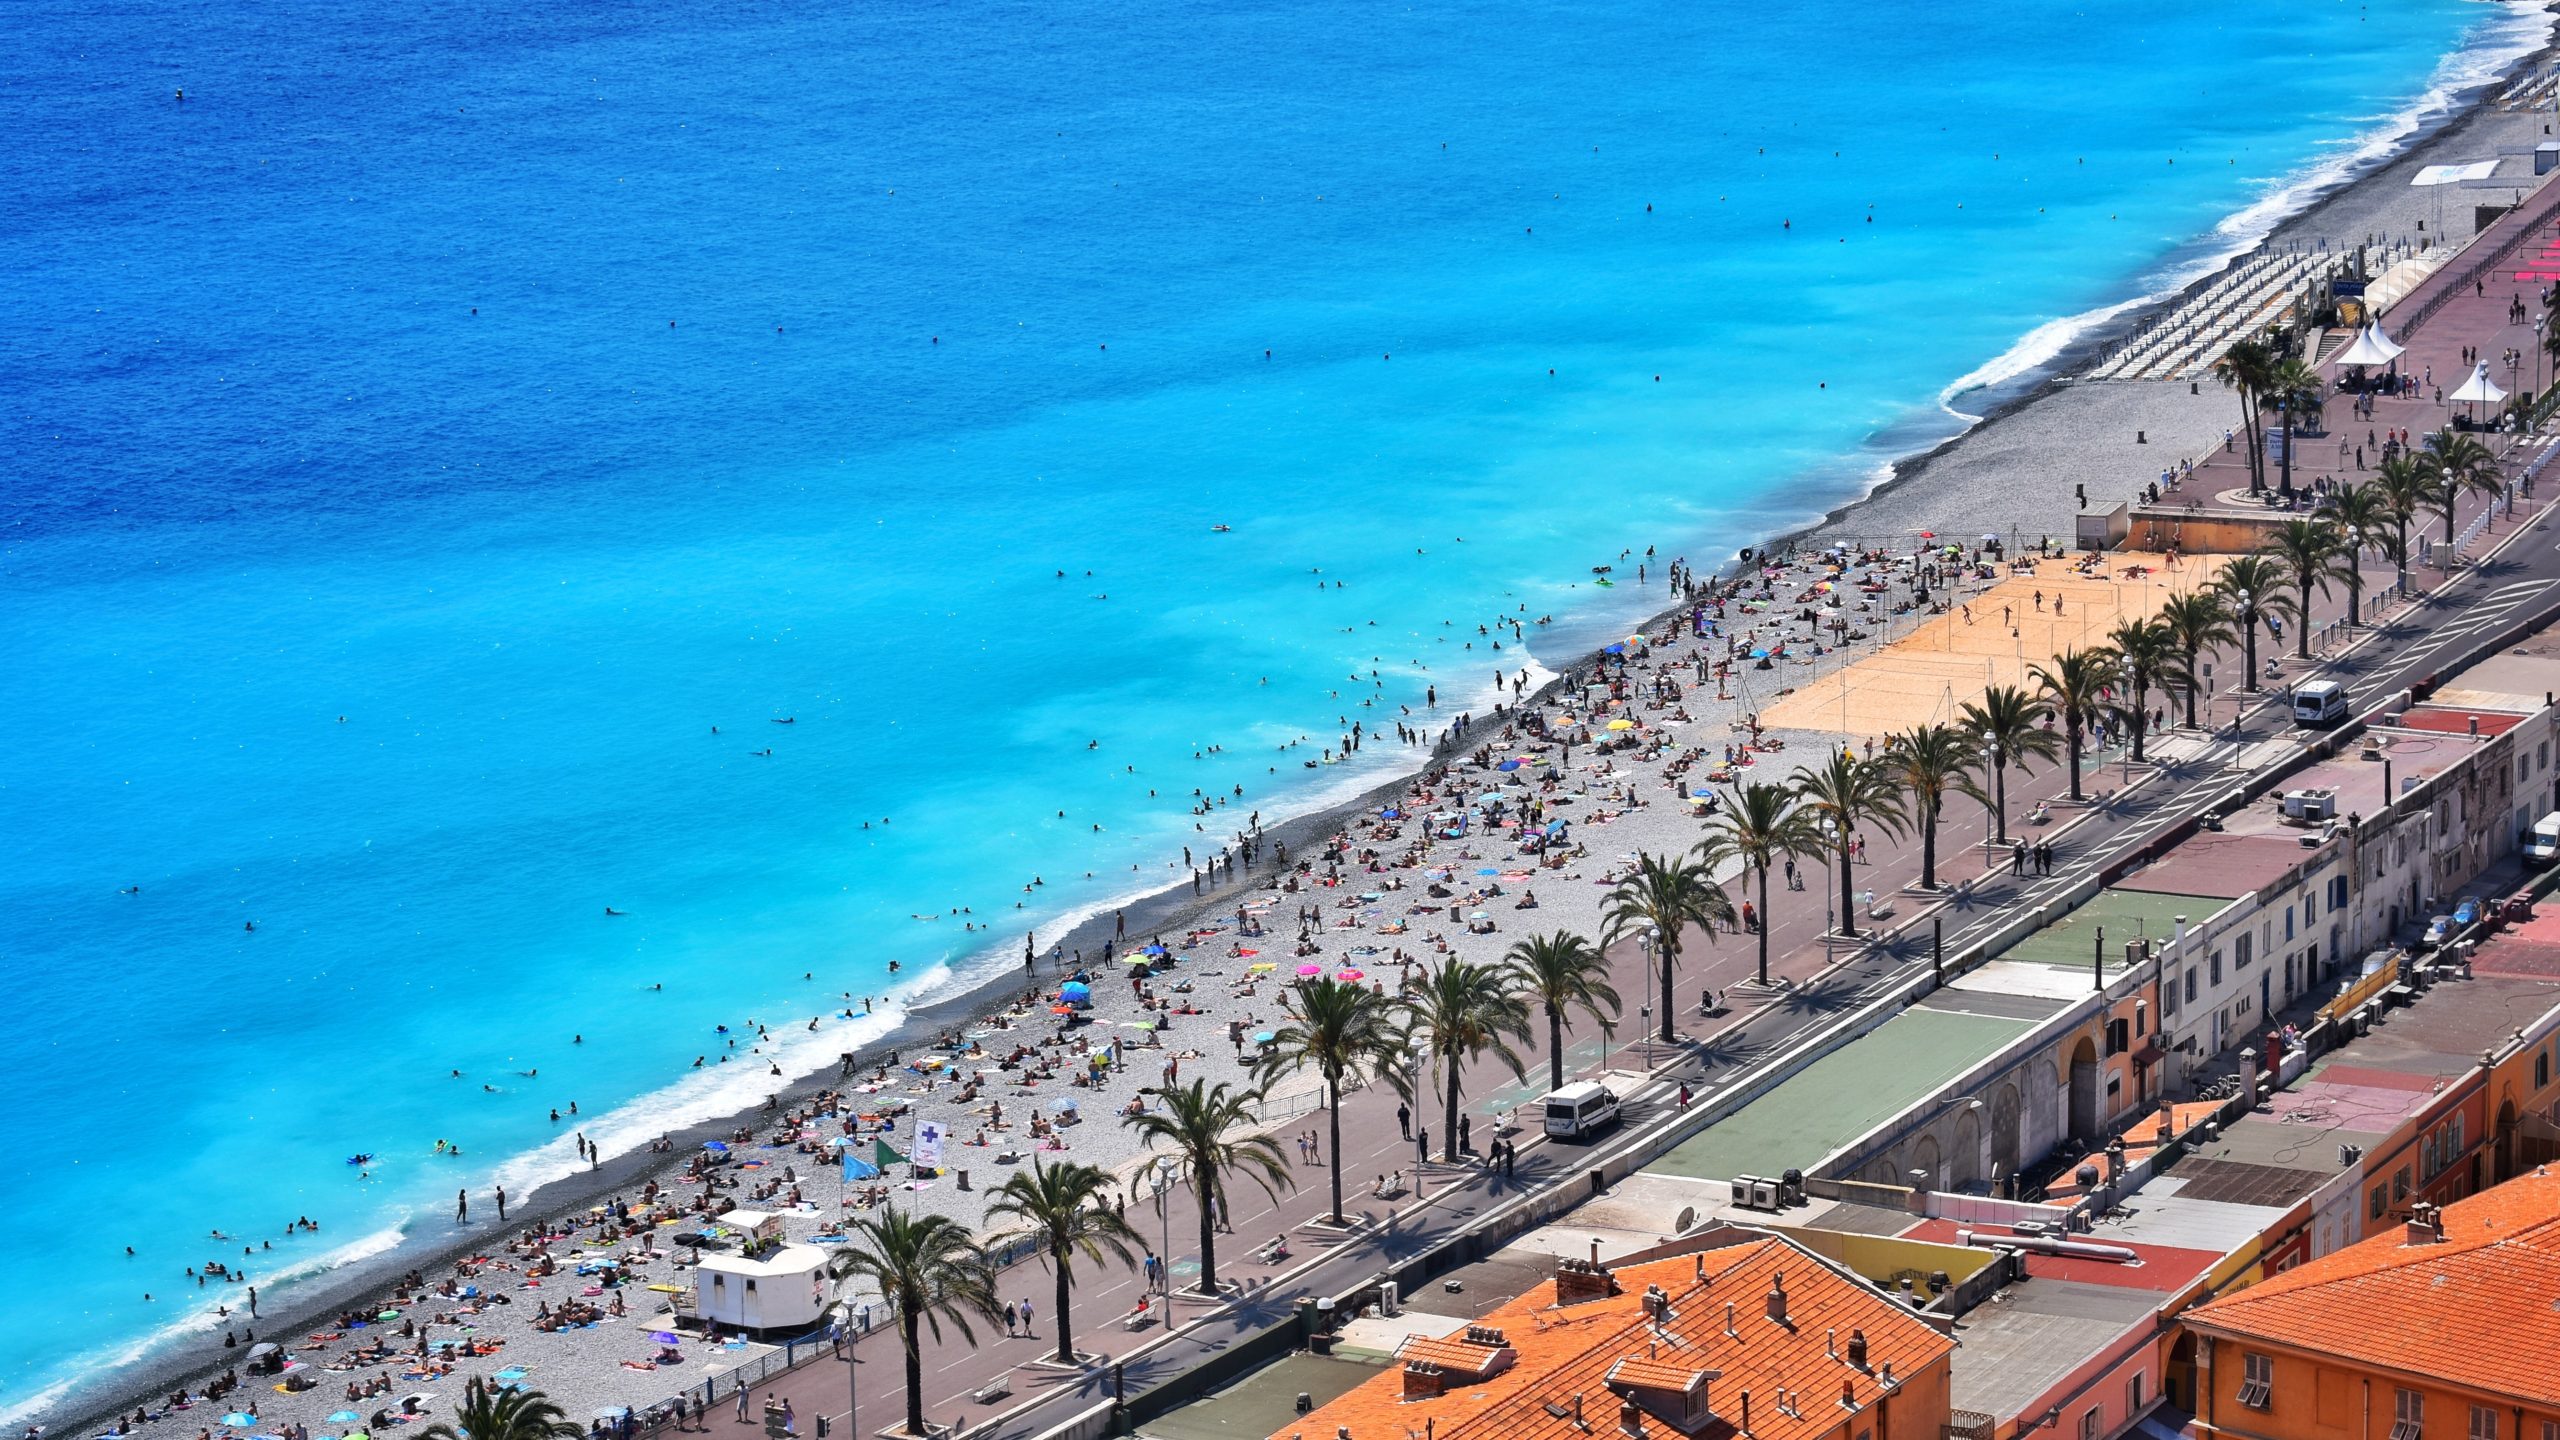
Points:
[[1162, 1188], [1647, 942]]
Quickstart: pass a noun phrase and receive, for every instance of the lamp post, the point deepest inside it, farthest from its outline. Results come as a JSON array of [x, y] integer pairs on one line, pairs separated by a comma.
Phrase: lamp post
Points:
[[1647, 942], [1162, 1187]]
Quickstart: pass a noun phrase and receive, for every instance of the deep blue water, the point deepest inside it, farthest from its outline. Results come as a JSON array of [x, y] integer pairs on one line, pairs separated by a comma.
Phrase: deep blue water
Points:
[[538, 387]]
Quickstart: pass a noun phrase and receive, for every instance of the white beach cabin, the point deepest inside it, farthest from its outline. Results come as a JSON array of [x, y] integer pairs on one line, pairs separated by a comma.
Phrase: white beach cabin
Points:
[[768, 1286]]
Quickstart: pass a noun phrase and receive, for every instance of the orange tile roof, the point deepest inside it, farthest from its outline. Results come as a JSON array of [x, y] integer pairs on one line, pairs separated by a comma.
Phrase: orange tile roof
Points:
[[1570, 1350], [2474, 1310], [1450, 1354]]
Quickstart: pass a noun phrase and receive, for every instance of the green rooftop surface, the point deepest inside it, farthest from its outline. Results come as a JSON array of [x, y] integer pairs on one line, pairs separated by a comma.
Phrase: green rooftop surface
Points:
[[2123, 914], [1843, 1095], [1261, 1402]]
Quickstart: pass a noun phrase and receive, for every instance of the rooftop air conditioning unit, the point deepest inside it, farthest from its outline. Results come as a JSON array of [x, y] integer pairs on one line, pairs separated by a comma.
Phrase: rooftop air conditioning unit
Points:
[[1389, 1298], [1764, 1194]]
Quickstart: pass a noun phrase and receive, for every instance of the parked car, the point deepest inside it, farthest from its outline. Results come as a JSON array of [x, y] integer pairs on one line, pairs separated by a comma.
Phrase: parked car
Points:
[[2466, 912], [2439, 930]]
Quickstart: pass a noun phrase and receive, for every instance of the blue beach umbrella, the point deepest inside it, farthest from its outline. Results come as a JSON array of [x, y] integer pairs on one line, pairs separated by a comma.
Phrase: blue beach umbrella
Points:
[[240, 1419], [716, 1147], [344, 1417]]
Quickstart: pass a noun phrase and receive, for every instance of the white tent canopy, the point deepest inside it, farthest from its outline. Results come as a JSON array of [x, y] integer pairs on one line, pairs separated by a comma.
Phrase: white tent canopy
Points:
[[2370, 347], [2478, 389]]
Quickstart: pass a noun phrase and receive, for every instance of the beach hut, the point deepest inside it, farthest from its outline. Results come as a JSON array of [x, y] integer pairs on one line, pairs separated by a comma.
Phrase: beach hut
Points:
[[783, 1289]]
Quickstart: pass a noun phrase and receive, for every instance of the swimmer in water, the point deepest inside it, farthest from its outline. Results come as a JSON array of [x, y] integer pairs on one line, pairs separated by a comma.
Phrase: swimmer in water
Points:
[[609, 910]]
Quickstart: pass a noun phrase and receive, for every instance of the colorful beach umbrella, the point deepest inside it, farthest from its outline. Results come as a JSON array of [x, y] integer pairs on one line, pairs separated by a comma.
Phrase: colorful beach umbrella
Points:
[[240, 1419], [1310, 970], [1351, 975]]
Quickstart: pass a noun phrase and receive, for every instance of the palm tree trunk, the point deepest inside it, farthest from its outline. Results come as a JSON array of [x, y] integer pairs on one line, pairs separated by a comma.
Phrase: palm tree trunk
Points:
[[2141, 715], [1929, 844], [1764, 924], [1555, 1059], [1208, 1240], [1848, 907], [2193, 659], [1059, 1262], [2355, 599], [2000, 801], [2288, 445], [1333, 1135], [2249, 648], [1449, 1117], [2302, 625], [907, 1321], [2071, 738]]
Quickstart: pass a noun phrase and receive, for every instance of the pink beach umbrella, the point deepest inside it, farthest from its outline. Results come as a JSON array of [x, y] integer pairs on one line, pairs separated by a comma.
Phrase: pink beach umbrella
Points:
[[1350, 974], [1310, 971]]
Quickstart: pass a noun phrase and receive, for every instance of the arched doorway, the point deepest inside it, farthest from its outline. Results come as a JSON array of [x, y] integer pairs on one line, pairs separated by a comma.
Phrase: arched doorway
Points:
[[1964, 1164], [2506, 1147], [1925, 1157], [2084, 1090], [2004, 1131]]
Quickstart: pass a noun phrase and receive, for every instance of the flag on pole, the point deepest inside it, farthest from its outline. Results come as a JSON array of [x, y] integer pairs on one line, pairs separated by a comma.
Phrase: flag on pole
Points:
[[929, 1145], [857, 1168], [883, 1156]]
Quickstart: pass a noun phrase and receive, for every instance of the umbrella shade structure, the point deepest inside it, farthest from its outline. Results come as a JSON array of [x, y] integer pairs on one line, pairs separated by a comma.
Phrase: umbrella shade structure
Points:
[[716, 1147], [1351, 975], [664, 1337], [1063, 1107], [1262, 1037], [1153, 950], [1139, 959], [344, 1417], [1310, 971], [1510, 764], [1622, 724], [1076, 992], [1262, 967], [239, 1420]]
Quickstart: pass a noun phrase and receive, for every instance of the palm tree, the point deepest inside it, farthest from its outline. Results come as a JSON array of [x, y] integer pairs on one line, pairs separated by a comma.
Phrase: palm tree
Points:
[[2362, 515], [1063, 1207], [2456, 462], [2252, 588], [1849, 792], [2075, 683], [1928, 762], [1346, 1033], [1761, 828], [1560, 972], [1665, 895], [931, 1269], [2247, 367], [2149, 652], [2008, 723], [1462, 1011], [2296, 389], [2198, 623], [2405, 487], [488, 1412], [1194, 1125], [2309, 550]]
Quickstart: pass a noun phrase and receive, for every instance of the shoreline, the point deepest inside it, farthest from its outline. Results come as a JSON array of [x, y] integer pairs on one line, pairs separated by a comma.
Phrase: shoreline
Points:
[[429, 1248]]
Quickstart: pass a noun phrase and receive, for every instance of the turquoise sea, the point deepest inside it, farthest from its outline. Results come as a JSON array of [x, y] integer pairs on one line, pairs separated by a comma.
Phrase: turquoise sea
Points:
[[423, 434]]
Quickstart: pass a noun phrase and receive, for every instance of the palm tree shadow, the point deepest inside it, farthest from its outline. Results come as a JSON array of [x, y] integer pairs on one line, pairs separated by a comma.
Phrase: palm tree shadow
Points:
[[1730, 1050], [1823, 997]]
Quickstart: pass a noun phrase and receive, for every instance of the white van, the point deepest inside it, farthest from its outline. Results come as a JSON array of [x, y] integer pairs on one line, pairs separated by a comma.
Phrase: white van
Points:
[[2320, 704], [1580, 1110], [2542, 842]]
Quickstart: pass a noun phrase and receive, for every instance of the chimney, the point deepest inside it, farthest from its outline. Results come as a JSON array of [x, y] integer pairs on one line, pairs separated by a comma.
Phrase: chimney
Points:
[[1728, 1319], [2424, 1227], [1630, 1418], [1577, 1407], [1830, 1342], [1887, 1375], [1778, 1297], [1745, 1426], [1857, 1349], [1848, 1395]]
